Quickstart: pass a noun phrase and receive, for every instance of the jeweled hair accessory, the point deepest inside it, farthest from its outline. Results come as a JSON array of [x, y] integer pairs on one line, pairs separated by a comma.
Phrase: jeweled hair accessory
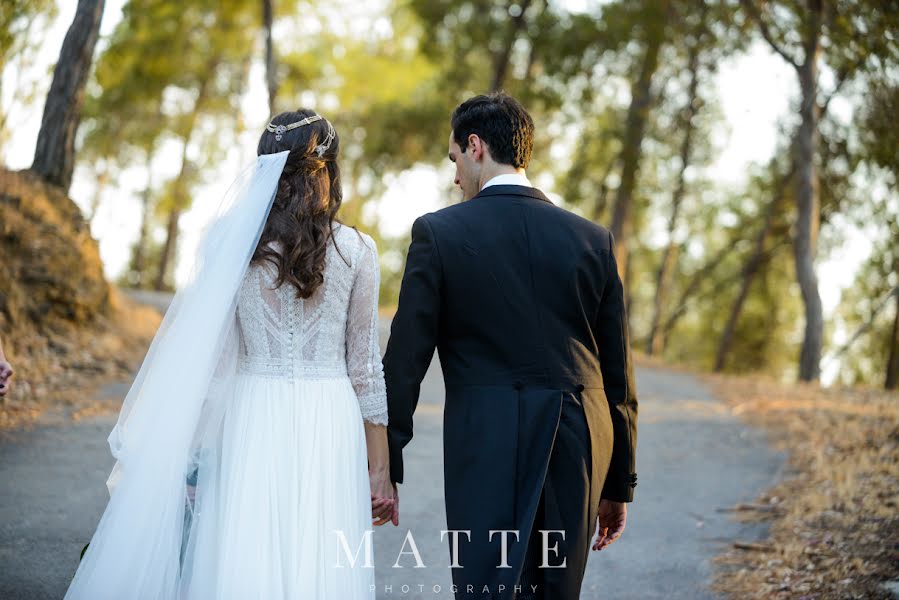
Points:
[[323, 147], [280, 130]]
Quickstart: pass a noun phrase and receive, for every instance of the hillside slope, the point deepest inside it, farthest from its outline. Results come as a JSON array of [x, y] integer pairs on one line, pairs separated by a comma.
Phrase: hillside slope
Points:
[[64, 329]]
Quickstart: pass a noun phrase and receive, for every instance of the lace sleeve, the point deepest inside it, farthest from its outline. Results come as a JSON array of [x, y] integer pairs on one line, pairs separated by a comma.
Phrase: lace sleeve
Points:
[[363, 355]]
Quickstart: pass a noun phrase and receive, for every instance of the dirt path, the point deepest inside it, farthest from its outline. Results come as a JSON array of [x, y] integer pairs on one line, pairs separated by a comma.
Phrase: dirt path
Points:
[[693, 459]]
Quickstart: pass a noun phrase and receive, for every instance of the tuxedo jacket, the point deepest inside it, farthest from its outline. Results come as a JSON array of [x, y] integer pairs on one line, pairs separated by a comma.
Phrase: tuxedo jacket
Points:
[[523, 302]]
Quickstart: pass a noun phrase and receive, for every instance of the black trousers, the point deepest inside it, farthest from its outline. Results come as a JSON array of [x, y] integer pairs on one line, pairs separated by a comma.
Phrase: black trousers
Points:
[[564, 507]]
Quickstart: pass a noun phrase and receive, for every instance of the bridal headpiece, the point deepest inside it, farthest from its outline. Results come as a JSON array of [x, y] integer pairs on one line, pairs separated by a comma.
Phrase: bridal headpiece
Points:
[[280, 130]]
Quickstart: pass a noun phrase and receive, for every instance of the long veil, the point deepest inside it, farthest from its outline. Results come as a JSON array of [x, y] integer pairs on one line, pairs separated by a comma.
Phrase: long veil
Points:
[[166, 441]]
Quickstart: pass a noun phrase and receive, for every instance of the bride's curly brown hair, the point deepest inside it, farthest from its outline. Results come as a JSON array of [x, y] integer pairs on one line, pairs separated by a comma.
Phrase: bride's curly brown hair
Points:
[[306, 203]]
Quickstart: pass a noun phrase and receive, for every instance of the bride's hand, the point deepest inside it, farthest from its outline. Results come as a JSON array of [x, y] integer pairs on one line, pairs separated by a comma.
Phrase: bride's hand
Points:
[[381, 496], [379, 473]]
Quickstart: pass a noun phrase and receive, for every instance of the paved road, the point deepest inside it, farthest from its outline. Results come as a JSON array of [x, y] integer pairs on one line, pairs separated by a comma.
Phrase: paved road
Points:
[[693, 458]]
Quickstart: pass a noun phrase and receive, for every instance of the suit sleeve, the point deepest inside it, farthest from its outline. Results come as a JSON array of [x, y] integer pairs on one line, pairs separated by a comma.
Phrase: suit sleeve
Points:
[[413, 338], [619, 382]]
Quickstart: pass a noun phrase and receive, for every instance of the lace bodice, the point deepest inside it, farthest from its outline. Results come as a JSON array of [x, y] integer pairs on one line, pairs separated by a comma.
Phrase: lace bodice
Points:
[[331, 334]]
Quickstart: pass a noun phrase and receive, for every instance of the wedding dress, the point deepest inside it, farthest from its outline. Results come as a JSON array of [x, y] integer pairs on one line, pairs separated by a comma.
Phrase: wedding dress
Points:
[[294, 463], [241, 463]]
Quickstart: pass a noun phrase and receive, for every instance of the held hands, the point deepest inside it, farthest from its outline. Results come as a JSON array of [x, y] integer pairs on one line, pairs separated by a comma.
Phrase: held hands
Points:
[[384, 502], [610, 522]]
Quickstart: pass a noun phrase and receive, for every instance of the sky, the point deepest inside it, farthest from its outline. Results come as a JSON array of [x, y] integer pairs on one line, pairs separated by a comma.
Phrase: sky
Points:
[[755, 90]]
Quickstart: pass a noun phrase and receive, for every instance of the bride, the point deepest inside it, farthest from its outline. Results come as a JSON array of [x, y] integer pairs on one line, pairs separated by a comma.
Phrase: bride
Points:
[[251, 450]]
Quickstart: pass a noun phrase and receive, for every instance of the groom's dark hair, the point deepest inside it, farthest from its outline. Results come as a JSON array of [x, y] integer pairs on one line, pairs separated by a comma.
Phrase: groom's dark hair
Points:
[[502, 122]]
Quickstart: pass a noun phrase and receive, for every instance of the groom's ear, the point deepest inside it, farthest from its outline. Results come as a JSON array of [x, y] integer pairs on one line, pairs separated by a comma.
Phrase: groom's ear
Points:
[[477, 146]]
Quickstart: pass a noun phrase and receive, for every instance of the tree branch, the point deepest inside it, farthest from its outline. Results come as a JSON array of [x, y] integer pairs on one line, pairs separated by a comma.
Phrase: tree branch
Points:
[[502, 58], [756, 16], [866, 326], [842, 76]]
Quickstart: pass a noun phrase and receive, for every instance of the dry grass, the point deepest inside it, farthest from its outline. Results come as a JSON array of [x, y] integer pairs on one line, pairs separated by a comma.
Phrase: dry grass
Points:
[[63, 329], [58, 375], [834, 524]]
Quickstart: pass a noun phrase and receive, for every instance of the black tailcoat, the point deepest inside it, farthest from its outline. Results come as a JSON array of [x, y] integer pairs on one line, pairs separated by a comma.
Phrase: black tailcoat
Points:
[[523, 302]]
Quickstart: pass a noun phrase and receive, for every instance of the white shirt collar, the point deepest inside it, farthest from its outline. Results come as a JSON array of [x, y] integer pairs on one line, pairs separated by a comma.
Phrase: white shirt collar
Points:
[[509, 179]]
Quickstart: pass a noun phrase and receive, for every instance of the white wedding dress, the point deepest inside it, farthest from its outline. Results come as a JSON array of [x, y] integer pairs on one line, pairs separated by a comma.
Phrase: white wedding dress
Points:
[[293, 473], [241, 468]]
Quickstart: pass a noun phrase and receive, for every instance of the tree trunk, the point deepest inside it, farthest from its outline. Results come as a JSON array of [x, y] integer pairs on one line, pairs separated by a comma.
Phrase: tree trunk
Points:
[[502, 58], [171, 234], [140, 249], [602, 197], [54, 156], [750, 270], [696, 280], [168, 250], [809, 209], [271, 78], [669, 258], [102, 178], [892, 378], [635, 126], [602, 201], [690, 290], [171, 238]]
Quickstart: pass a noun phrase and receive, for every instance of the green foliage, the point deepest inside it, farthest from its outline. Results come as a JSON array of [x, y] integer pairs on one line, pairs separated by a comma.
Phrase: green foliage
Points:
[[17, 18], [145, 95], [867, 311], [21, 21], [171, 78], [876, 127], [141, 276]]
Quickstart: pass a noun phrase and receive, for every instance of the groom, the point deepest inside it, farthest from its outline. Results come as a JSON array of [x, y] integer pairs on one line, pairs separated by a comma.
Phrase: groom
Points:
[[523, 302]]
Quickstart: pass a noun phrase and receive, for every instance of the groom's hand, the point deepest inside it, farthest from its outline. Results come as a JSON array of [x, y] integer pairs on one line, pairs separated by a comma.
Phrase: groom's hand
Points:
[[610, 522], [395, 517], [381, 511]]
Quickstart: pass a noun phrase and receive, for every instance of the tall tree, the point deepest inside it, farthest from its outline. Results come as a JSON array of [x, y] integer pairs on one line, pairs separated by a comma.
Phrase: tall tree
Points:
[[54, 156], [124, 118], [879, 141], [138, 264], [753, 265], [892, 376], [652, 31], [871, 355], [772, 223], [271, 75], [502, 57], [688, 125], [179, 189], [148, 96], [845, 37]]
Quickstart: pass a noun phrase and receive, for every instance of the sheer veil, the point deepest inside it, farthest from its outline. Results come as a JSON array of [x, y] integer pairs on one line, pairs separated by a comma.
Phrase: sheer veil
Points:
[[166, 441]]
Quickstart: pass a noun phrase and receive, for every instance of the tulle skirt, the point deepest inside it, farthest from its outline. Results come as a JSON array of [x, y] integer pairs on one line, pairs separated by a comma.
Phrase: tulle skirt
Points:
[[293, 499]]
